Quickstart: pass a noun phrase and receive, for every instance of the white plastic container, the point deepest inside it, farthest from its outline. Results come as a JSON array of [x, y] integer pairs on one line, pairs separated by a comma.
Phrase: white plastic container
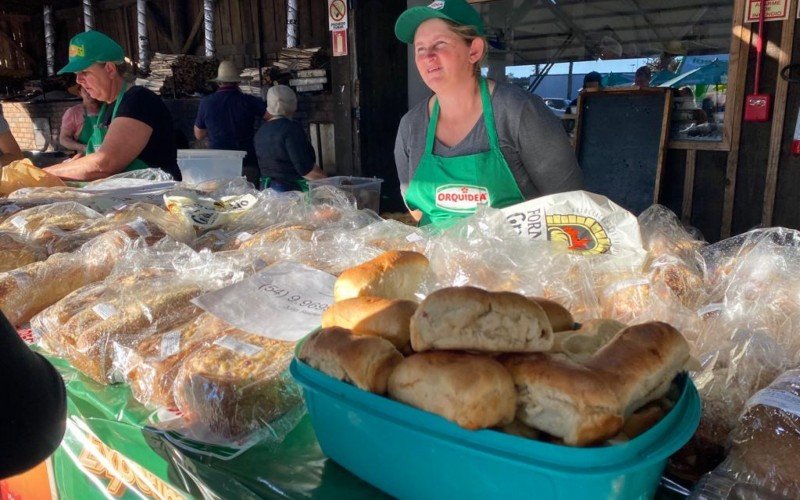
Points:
[[200, 165]]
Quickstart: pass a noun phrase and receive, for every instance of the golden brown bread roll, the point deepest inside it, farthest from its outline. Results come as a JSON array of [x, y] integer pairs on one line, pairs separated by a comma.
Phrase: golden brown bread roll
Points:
[[587, 403], [560, 318], [471, 390], [468, 318], [365, 362], [236, 384], [373, 316], [392, 275]]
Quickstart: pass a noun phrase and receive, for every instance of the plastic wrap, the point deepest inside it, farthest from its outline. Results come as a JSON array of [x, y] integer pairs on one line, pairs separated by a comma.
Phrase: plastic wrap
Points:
[[29, 289], [15, 252], [663, 234], [45, 225], [151, 366], [213, 204], [23, 173], [393, 235], [236, 384], [764, 447]]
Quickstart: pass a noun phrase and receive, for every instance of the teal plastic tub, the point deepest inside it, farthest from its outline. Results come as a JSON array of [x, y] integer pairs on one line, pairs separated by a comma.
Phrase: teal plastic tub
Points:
[[410, 453]]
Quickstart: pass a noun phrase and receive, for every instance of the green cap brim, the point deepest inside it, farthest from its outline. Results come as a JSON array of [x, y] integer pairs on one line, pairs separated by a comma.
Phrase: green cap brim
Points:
[[409, 21], [75, 66]]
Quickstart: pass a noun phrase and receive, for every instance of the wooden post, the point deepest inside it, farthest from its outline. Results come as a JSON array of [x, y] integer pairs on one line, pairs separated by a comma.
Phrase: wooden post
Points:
[[778, 117], [688, 186]]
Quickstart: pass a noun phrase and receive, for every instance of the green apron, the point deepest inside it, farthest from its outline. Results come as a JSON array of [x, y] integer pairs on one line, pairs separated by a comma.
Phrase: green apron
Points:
[[446, 189], [88, 129], [100, 131]]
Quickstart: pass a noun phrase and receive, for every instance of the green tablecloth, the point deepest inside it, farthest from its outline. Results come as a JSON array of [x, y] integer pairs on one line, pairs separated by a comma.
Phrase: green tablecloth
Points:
[[109, 450]]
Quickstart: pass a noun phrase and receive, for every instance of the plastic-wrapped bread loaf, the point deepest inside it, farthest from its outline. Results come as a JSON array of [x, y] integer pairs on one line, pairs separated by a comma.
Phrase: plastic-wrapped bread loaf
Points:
[[84, 325], [46, 225], [236, 384], [30, 289], [14, 252], [151, 366]]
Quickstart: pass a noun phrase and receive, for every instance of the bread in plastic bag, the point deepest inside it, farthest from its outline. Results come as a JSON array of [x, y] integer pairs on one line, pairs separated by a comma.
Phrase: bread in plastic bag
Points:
[[45, 225], [23, 173], [15, 252], [30, 289], [150, 367], [764, 447], [236, 384]]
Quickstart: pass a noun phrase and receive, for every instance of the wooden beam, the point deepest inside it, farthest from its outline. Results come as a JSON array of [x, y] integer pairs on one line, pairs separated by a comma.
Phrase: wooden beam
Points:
[[161, 23], [738, 59], [114, 4], [688, 186], [14, 45], [198, 21], [778, 118], [177, 24]]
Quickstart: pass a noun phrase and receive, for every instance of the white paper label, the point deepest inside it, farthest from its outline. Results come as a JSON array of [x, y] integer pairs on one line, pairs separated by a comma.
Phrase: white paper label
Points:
[[104, 310], [237, 346], [19, 221], [284, 301], [242, 237], [140, 226], [170, 344], [710, 308], [414, 237], [776, 398]]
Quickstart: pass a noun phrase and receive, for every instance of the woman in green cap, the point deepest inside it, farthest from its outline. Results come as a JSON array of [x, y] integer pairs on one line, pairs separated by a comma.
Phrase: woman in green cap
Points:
[[474, 141], [134, 128]]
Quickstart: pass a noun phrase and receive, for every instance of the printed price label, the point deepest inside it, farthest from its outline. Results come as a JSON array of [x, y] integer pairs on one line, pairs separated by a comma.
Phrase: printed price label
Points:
[[284, 301], [19, 221], [170, 344], [414, 237], [237, 346], [104, 310]]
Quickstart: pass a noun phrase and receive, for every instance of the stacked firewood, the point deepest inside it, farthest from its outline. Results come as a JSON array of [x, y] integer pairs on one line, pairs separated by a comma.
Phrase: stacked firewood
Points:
[[174, 75]]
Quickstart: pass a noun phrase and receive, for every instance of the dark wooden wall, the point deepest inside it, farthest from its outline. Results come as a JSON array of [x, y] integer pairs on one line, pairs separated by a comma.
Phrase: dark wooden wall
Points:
[[21, 52]]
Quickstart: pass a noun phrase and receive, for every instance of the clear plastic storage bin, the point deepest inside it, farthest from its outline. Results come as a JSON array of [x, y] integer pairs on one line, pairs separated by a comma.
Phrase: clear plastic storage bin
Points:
[[200, 165], [366, 190]]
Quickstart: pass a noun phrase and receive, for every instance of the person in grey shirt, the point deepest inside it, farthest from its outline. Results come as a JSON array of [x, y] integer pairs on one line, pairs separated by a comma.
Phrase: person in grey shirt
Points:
[[474, 142], [9, 149]]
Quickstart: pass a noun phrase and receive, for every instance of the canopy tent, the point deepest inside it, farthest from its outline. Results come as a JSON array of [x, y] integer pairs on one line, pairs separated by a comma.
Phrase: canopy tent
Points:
[[713, 73]]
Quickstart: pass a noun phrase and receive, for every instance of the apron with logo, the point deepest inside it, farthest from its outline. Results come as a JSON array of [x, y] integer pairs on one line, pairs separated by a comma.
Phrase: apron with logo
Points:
[[87, 130], [100, 130], [446, 189]]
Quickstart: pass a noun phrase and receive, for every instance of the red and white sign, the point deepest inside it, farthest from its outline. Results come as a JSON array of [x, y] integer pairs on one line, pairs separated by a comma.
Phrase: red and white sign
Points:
[[337, 15], [777, 10], [339, 43], [461, 198]]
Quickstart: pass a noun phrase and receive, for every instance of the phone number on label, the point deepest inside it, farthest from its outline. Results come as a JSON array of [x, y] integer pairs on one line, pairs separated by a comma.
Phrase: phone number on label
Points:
[[294, 299]]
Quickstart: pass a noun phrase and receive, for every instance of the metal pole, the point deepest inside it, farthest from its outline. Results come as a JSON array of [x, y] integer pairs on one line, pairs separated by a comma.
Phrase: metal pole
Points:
[[144, 41], [291, 23], [208, 18], [49, 40], [88, 15]]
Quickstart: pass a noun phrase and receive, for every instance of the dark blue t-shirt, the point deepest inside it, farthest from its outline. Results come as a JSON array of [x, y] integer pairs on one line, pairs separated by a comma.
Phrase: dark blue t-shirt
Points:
[[283, 150], [230, 118]]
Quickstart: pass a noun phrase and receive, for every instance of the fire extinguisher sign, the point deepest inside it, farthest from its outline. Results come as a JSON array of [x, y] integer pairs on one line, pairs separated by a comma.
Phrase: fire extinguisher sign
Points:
[[776, 10], [339, 43], [337, 15]]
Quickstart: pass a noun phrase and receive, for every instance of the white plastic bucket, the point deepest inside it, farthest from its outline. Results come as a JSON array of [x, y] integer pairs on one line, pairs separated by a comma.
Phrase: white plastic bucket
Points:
[[200, 165]]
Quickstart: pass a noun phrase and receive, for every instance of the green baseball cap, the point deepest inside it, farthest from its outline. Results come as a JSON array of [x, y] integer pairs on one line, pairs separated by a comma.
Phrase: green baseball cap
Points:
[[91, 47], [457, 11]]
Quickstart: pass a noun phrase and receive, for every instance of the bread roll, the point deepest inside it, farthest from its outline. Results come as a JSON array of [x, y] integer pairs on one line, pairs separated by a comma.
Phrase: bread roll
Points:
[[560, 318], [373, 316], [587, 403], [365, 362], [469, 318], [392, 275], [472, 390], [582, 343]]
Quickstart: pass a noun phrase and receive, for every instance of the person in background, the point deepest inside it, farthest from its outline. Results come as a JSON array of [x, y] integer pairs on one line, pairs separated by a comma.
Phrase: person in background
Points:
[[33, 405], [78, 122], [9, 149], [228, 118], [474, 142], [285, 155], [591, 81], [134, 128], [642, 77]]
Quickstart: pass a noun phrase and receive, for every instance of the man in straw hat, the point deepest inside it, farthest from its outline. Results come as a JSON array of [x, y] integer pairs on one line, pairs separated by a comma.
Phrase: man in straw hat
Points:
[[134, 128], [228, 118]]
